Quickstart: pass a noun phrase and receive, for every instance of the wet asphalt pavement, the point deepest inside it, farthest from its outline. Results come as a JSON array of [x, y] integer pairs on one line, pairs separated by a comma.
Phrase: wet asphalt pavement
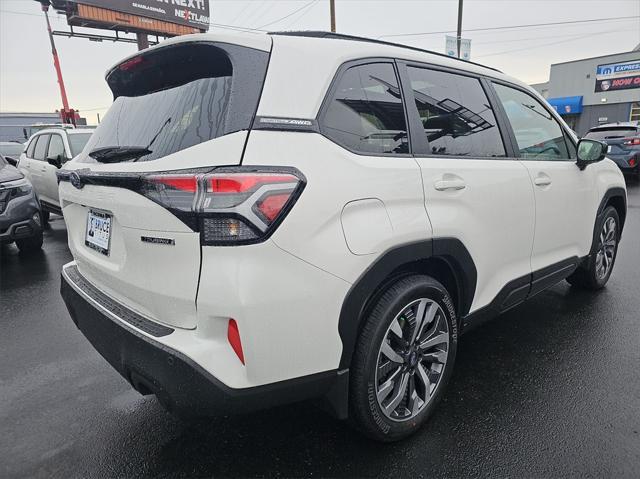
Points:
[[549, 389]]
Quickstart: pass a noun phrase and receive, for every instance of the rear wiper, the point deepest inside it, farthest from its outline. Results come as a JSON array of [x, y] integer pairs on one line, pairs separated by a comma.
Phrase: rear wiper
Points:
[[115, 154]]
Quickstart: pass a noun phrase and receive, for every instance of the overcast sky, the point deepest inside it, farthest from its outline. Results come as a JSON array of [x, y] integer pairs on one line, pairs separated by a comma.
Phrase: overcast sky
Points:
[[28, 82]]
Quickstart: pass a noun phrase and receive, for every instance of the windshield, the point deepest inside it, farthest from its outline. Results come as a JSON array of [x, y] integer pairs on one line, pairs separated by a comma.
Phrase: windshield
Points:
[[177, 97], [3, 162], [77, 142], [12, 150], [611, 133]]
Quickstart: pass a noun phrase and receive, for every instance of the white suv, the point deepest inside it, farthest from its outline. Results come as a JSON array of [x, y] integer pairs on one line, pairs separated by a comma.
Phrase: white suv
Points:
[[271, 218], [45, 153]]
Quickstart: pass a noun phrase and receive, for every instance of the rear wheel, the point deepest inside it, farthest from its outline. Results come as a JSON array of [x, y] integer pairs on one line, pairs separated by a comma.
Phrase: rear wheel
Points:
[[28, 245], [403, 359], [596, 271], [45, 217]]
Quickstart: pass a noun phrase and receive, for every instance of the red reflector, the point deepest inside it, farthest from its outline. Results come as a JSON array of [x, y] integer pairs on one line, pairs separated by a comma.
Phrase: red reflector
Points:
[[130, 64], [632, 162], [272, 205], [233, 336], [242, 183], [183, 183]]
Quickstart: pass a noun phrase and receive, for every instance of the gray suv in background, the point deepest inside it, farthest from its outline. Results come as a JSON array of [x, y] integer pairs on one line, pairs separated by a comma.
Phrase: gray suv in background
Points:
[[623, 140], [20, 217]]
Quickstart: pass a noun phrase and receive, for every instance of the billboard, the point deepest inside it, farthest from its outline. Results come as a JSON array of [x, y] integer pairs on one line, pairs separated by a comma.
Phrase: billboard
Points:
[[618, 76], [188, 13]]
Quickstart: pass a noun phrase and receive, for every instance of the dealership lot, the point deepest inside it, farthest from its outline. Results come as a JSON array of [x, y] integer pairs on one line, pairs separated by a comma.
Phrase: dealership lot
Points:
[[549, 388]]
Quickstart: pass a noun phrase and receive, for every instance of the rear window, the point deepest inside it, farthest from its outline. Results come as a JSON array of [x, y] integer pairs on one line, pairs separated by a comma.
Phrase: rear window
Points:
[[77, 142], [176, 97], [606, 133]]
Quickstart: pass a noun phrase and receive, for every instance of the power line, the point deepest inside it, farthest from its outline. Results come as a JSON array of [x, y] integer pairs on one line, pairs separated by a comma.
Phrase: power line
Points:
[[579, 37], [306, 5], [569, 22]]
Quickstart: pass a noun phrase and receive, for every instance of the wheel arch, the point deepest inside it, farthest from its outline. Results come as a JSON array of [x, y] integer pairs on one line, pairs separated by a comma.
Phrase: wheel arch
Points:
[[616, 197], [445, 259]]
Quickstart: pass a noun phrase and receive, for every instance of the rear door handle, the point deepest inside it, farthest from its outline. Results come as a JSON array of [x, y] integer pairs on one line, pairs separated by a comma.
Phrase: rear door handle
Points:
[[450, 184], [542, 180]]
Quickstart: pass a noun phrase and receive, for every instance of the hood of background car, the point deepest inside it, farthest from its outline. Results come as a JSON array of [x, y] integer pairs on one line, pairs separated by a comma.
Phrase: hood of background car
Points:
[[9, 173]]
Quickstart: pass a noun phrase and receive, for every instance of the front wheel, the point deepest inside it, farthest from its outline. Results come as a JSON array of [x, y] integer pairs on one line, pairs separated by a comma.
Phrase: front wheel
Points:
[[403, 359], [597, 269]]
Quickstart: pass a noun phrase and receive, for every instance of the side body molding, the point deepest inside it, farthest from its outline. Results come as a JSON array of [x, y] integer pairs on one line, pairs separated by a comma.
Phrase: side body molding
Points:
[[389, 266]]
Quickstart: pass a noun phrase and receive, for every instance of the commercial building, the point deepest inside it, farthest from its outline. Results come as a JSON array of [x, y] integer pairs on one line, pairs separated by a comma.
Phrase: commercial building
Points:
[[596, 90]]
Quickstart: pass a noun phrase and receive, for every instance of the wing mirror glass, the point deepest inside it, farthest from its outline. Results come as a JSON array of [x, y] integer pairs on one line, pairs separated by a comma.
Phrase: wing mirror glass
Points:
[[590, 151]]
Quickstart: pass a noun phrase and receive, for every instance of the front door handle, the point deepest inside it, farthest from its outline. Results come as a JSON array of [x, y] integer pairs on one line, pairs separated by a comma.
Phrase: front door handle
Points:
[[450, 184], [542, 180]]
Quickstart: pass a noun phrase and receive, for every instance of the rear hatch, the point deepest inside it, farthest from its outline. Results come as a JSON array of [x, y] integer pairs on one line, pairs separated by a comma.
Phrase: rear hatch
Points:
[[183, 107]]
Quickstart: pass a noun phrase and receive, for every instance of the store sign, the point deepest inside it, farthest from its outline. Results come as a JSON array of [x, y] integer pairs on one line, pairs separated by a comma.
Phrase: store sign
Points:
[[618, 76], [191, 13]]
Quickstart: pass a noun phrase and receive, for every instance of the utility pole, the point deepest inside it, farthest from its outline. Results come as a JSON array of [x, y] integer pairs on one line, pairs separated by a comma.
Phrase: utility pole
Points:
[[332, 8], [67, 114], [459, 37]]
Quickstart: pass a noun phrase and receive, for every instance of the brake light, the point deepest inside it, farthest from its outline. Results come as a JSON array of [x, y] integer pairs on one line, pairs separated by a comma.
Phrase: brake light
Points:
[[227, 207], [131, 64], [631, 141]]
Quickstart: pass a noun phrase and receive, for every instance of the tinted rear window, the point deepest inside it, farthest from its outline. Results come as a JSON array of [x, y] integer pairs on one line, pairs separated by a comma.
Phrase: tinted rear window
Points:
[[603, 134], [176, 97]]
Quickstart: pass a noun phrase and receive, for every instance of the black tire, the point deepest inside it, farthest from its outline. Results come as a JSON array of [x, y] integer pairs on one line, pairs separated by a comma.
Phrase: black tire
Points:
[[366, 413], [45, 215], [589, 275], [28, 245]]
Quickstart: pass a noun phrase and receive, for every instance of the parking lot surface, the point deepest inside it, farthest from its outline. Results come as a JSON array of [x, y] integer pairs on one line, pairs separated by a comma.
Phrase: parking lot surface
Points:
[[550, 388]]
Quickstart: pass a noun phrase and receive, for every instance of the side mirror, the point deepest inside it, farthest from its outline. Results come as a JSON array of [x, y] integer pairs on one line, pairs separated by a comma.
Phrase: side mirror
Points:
[[55, 161], [11, 161], [590, 151]]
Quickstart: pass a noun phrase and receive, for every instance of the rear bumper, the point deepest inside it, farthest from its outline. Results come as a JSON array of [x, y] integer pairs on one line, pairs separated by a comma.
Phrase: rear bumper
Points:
[[179, 383]]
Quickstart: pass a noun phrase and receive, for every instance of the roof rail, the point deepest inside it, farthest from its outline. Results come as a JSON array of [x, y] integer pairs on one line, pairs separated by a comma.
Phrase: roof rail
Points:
[[342, 36]]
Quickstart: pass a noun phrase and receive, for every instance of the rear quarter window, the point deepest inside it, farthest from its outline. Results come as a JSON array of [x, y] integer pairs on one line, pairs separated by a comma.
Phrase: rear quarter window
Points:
[[365, 113]]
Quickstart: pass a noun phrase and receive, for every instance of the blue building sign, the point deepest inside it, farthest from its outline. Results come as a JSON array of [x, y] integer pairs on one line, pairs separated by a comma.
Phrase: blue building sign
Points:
[[567, 105]]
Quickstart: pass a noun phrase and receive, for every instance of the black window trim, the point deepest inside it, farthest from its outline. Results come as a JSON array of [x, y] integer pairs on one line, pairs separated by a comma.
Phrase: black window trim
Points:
[[507, 124], [417, 131], [328, 98], [33, 142], [46, 148]]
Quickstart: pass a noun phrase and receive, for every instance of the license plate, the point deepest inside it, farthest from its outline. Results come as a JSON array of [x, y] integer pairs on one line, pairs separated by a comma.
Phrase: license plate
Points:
[[98, 231]]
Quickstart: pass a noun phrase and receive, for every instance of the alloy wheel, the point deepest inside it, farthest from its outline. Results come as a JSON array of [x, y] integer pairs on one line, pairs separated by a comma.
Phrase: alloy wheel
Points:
[[411, 359], [606, 248]]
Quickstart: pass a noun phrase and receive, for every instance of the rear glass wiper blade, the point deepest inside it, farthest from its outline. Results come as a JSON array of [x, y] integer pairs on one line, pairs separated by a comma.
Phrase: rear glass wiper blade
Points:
[[115, 154]]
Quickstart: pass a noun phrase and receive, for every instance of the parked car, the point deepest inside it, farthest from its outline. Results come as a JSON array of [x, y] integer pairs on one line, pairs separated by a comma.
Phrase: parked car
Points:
[[19, 210], [45, 153], [324, 228], [11, 151], [623, 140]]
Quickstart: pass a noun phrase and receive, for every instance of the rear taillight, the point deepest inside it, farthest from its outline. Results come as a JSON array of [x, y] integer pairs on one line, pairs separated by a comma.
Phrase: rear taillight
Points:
[[631, 141], [227, 207]]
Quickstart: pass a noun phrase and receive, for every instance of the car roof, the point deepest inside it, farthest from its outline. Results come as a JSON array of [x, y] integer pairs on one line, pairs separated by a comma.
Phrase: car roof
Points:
[[70, 131], [619, 124]]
